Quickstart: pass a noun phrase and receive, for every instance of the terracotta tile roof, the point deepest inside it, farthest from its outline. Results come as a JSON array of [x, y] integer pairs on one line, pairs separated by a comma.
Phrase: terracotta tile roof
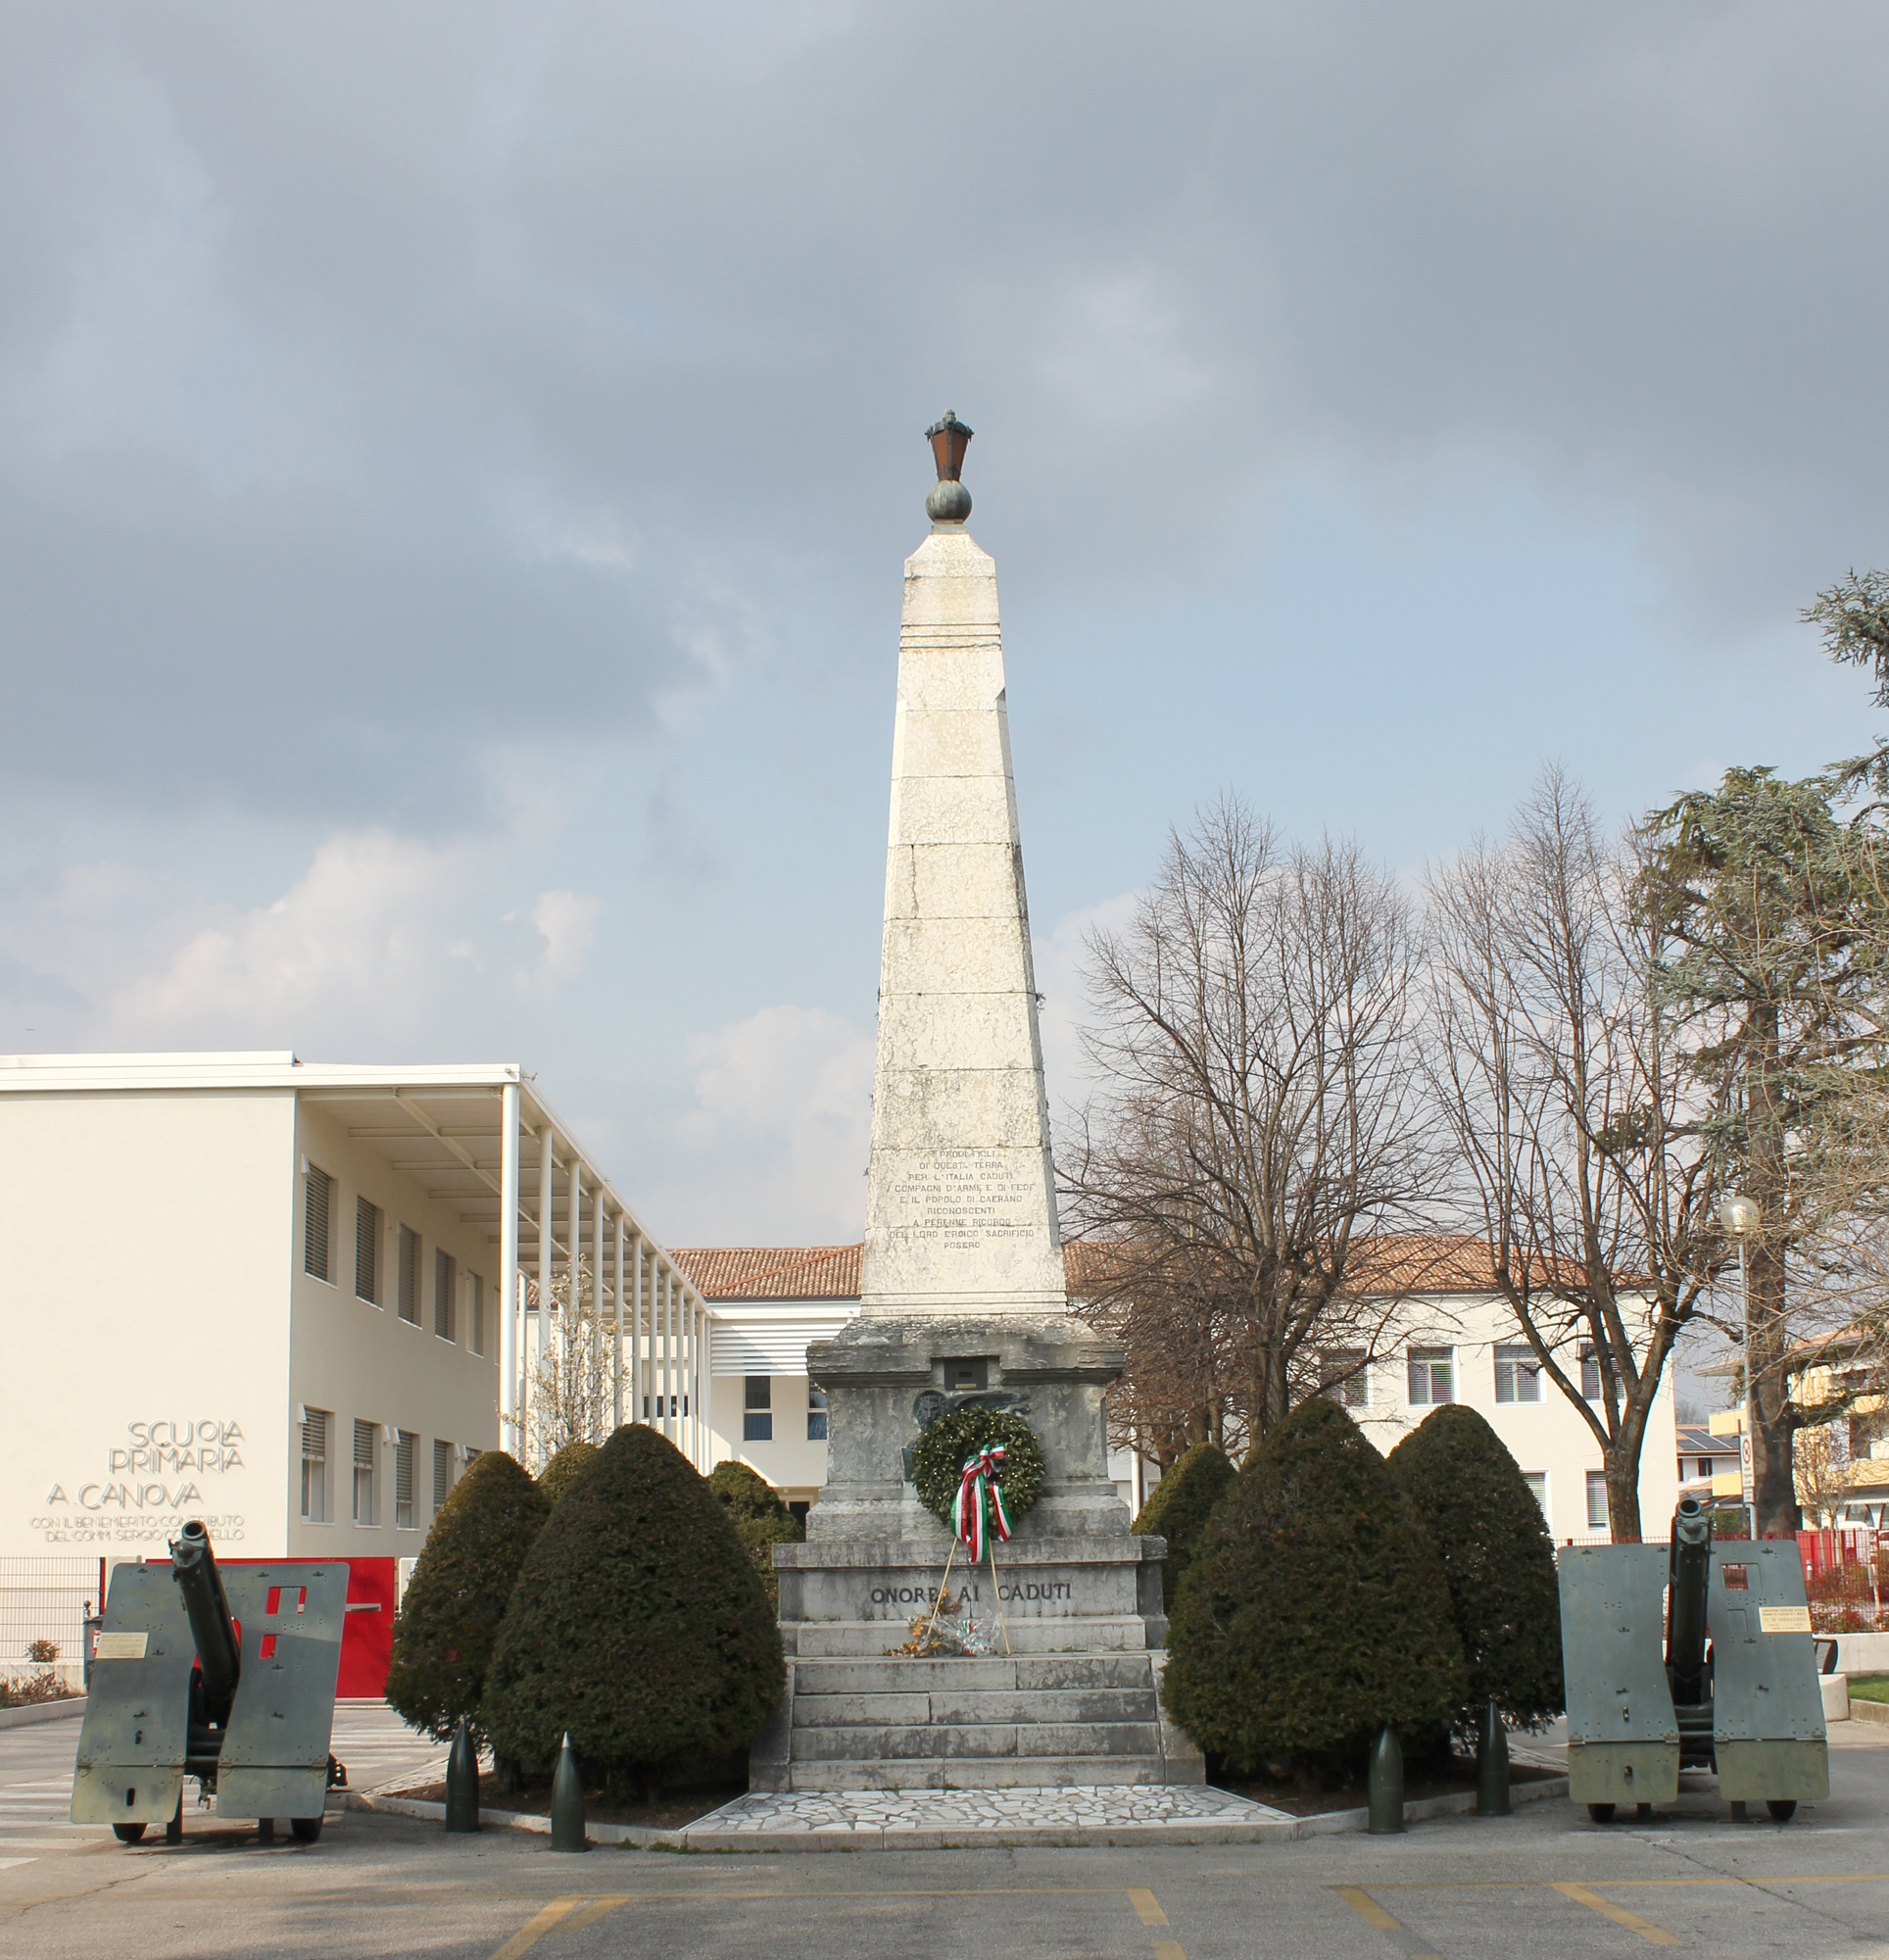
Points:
[[1404, 1262], [771, 1272]]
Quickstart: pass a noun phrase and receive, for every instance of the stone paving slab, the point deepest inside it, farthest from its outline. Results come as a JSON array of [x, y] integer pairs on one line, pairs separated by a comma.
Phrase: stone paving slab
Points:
[[935, 1819]]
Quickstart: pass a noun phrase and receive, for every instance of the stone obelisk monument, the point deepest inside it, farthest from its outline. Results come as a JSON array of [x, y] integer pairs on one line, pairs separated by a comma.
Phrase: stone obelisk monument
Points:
[[960, 1195], [962, 1294]]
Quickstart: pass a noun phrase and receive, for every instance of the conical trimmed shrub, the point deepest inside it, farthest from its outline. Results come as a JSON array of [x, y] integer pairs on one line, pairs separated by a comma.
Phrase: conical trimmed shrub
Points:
[[639, 1625], [742, 1489], [1314, 1610], [1498, 1561], [1178, 1508], [760, 1519], [455, 1602], [564, 1469]]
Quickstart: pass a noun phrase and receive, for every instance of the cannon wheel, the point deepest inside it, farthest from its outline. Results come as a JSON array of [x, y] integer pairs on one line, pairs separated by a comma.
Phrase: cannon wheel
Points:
[[1781, 1808], [305, 1829], [127, 1834], [1601, 1813]]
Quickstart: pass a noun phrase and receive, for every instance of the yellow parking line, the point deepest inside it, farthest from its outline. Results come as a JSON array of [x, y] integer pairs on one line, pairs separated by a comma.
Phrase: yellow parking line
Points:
[[534, 1929], [1169, 1949], [1146, 1905], [595, 1911], [1656, 1936], [1368, 1909]]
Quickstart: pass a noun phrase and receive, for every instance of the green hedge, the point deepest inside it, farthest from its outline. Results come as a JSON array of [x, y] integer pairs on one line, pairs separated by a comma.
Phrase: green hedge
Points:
[[639, 1625], [1498, 1562], [1178, 1508], [455, 1602], [564, 1469], [1314, 1610], [760, 1519]]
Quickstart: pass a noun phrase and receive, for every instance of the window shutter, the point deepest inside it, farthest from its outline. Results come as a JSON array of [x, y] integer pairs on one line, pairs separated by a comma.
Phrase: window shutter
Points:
[[366, 1250], [408, 1275], [442, 1470], [363, 1445], [406, 1450], [318, 1187], [315, 1436], [478, 1313], [446, 1280]]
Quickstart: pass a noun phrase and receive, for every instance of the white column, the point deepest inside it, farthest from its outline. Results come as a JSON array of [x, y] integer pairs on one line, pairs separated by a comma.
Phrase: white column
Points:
[[706, 1386], [698, 1374], [545, 1235], [691, 1448], [669, 1389], [639, 1387], [573, 1250], [507, 1300], [593, 1415], [616, 1347]]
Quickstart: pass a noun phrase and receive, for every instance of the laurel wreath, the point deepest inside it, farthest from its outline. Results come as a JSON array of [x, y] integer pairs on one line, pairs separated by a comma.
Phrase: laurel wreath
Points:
[[939, 1457]]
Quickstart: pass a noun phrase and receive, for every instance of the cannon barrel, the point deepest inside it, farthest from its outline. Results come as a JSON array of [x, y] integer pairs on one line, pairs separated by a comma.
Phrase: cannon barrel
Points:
[[1688, 1567], [193, 1565]]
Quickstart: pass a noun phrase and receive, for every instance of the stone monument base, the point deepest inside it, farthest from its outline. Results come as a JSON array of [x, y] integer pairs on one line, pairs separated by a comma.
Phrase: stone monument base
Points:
[[1098, 1594], [1069, 1691]]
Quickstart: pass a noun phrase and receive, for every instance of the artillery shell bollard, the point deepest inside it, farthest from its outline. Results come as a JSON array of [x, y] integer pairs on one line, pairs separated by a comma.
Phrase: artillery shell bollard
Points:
[[463, 1782], [1386, 1785], [1492, 1764], [567, 1803]]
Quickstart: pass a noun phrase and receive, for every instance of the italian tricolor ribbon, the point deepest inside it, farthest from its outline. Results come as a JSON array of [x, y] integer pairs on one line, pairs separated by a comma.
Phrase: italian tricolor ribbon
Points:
[[979, 1506]]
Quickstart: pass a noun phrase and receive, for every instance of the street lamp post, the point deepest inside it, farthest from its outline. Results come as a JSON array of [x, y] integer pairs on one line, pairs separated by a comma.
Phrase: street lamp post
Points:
[[1739, 1217]]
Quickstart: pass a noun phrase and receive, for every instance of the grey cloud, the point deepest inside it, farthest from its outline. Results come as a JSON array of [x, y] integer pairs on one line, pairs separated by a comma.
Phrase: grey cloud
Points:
[[376, 383]]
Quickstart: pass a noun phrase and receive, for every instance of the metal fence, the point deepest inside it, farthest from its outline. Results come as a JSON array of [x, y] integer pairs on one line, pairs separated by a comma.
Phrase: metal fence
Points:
[[45, 1599]]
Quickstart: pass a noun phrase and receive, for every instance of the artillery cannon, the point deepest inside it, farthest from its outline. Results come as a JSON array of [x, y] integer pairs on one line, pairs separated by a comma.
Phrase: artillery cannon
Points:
[[230, 1679], [1723, 1677]]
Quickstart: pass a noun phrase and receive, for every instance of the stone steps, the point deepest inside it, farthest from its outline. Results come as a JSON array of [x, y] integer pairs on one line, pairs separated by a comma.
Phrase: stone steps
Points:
[[865, 1639], [973, 1773], [984, 1723], [993, 1673]]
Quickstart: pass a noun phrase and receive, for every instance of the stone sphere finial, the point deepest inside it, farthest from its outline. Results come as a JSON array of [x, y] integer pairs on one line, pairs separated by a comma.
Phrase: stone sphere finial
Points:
[[948, 503]]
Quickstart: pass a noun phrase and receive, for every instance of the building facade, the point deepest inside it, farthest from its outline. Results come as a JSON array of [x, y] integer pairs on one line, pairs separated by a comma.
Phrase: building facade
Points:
[[286, 1298]]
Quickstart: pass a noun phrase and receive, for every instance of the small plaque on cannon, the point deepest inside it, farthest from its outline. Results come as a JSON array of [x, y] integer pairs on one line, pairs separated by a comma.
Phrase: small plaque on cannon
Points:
[[121, 1646]]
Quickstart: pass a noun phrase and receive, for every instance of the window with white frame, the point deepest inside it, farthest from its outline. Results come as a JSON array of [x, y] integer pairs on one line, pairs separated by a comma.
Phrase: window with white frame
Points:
[[407, 1286], [1517, 1375], [406, 1467], [1538, 1482], [475, 1284], [317, 1223], [1344, 1377], [1432, 1373], [366, 1252], [1597, 1500], [442, 1470], [816, 1414], [758, 1409], [446, 1287], [366, 1504], [315, 1465]]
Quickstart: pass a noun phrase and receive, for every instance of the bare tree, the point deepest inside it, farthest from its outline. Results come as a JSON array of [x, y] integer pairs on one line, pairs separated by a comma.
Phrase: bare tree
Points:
[[1259, 1113], [572, 1379], [1559, 1074]]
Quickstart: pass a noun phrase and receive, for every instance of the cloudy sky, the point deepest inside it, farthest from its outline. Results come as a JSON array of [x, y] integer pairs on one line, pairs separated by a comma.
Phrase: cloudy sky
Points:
[[455, 463]]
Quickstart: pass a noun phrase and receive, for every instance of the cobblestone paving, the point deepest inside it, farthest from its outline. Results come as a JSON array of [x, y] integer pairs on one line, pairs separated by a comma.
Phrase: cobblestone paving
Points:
[[1080, 1807]]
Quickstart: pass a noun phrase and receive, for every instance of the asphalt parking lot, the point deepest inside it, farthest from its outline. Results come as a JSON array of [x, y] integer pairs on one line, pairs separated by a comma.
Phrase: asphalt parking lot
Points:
[[1543, 1882]]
